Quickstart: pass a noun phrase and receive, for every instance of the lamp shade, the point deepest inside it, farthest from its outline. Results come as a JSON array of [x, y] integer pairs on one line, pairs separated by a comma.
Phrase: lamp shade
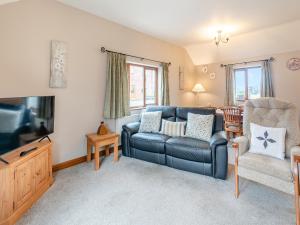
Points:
[[198, 88]]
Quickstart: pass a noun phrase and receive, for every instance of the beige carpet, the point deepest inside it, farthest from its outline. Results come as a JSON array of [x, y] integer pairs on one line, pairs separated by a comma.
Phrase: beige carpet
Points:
[[137, 192]]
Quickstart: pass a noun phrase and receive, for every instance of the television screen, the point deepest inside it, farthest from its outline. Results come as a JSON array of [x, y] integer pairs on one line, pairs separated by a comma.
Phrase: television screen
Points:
[[24, 120]]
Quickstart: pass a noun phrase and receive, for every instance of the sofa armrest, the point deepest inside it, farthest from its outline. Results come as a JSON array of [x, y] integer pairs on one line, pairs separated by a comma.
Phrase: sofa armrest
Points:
[[218, 139], [241, 145], [131, 128], [295, 156], [218, 145]]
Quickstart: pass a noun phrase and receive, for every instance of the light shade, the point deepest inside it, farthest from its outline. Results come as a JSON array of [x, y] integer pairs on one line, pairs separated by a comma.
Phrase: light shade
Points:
[[198, 88]]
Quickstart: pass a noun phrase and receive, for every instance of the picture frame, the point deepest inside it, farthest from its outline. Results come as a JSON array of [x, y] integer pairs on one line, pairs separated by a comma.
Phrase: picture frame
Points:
[[58, 64]]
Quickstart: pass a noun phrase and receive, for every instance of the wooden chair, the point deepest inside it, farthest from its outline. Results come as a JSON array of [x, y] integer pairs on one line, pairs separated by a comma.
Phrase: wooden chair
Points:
[[233, 121]]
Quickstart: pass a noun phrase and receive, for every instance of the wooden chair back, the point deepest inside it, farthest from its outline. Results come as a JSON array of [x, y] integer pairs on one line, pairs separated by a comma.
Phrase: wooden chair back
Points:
[[233, 120], [233, 115]]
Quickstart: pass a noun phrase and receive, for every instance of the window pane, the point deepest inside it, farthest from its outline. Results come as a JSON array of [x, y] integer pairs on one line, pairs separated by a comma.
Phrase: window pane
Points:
[[240, 76], [254, 82], [150, 86], [136, 86]]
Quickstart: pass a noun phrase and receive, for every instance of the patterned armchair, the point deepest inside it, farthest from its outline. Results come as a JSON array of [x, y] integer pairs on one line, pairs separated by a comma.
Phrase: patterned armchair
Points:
[[275, 173]]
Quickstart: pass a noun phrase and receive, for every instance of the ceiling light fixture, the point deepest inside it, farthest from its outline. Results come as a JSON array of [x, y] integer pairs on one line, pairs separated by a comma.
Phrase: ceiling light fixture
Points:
[[220, 39]]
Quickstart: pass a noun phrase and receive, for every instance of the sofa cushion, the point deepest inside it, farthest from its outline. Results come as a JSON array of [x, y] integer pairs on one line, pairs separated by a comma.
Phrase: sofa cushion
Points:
[[149, 142], [199, 126], [189, 149], [173, 129], [267, 165], [150, 122]]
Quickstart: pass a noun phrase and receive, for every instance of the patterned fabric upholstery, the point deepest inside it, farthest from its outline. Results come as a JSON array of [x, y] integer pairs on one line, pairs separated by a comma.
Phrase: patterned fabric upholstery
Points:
[[150, 122], [199, 126], [271, 112]]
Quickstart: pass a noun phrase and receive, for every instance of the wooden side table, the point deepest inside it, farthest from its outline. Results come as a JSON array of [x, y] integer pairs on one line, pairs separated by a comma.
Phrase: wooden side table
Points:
[[102, 141]]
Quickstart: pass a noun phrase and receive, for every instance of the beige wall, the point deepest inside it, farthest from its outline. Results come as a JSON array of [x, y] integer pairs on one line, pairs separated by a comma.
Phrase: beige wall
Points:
[[26, 29], [286, 82]]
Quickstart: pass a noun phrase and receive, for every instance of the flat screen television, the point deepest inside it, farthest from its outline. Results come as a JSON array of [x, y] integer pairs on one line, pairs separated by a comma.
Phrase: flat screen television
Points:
[[24, 120]]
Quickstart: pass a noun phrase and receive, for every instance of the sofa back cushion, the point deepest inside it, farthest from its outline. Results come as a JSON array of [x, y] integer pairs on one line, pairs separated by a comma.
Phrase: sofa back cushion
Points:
[[168, 112], [271, 112]]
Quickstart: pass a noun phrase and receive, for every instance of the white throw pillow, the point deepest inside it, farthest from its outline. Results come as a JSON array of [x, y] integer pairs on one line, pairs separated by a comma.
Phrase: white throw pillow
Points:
[[199, 126], [174, 129], [150, 122], [267, 141]]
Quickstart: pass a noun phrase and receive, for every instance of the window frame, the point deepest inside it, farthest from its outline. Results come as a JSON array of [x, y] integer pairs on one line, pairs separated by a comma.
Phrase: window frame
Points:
[[145, 67], [246, 68]]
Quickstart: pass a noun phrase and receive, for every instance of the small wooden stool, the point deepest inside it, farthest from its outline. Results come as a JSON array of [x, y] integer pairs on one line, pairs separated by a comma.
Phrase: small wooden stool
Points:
[[100, 141]]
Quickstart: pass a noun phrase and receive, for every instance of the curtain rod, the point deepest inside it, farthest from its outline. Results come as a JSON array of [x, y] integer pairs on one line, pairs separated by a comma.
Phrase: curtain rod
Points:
[[103, 50], [269, 59]]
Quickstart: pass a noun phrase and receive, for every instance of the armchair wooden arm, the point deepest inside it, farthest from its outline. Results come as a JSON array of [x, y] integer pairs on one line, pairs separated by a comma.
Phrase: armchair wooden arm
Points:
[[296, 159], [235, 147]]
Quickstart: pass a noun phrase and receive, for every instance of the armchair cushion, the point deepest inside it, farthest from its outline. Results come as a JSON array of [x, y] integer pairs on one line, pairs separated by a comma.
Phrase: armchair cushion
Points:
[[243, 144], [267, 141], [267, 165]]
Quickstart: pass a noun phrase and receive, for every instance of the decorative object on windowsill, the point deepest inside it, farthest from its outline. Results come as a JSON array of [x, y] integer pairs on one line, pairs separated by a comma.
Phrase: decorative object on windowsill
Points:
[[102, 130], [57, 65], [204, 69], [181, 78], [293, 64], [219, 38], [212, 76]]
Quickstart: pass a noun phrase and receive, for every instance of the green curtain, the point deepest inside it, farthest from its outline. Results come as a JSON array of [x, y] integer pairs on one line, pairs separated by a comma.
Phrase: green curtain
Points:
[[165, 84], [266, 84], [116, 95], [230, 86]]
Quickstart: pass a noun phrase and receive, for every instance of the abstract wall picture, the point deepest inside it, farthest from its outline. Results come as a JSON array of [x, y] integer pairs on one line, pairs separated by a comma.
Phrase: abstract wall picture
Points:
[[58, 65], [293, 64]]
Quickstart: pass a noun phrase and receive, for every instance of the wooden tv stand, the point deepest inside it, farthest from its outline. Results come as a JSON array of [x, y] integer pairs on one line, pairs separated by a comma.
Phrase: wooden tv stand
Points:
[[24, 180]]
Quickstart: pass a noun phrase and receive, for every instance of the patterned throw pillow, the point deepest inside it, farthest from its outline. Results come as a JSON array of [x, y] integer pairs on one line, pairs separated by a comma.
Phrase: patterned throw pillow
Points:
[[174, 129], [199, 126], [150, 122], [267, 141]]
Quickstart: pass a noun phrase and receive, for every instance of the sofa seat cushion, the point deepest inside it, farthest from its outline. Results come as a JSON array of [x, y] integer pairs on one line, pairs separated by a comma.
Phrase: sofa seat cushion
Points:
[[189, 149], [267, 165], [150, 142]]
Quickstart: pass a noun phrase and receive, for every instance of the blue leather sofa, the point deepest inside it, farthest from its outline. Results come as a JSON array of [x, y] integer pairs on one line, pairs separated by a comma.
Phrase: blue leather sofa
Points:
[[184, 153]]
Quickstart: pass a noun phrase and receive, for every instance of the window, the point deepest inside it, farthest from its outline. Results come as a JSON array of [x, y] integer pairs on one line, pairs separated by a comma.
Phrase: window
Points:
[[247, 83], [143, 85]]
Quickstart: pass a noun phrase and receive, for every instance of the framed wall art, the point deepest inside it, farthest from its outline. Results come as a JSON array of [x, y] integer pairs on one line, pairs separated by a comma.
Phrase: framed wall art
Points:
[[58, 64]]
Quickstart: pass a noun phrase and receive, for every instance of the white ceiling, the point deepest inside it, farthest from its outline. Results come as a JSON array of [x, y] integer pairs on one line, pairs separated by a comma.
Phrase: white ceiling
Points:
[[187, 22]]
